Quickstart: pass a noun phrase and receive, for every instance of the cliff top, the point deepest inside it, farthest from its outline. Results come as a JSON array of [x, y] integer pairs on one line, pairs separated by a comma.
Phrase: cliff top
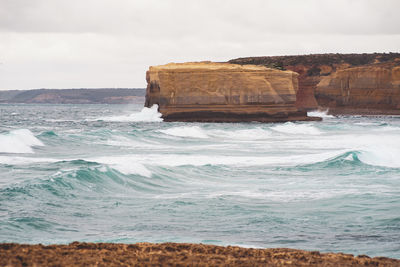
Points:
[[319, 59], [207, 65]]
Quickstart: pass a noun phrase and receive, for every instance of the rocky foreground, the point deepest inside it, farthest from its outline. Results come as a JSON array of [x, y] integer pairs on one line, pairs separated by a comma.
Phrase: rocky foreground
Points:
[[174, 254]]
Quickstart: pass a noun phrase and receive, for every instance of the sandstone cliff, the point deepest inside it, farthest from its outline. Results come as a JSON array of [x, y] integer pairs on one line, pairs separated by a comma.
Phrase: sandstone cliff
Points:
[[372, 89], [344, 83], [221, 92]]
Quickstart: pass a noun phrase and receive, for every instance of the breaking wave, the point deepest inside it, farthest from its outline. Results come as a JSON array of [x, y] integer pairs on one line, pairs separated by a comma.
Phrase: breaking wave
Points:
[[295, 128], [385, 157], [320, 113], [125, 165], [18, 141], [145, 115], [186, 131], [244, 134]]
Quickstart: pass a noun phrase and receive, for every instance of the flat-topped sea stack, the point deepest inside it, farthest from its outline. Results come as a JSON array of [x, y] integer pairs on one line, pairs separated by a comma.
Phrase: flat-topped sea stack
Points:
[[221, 92], [344, 83]]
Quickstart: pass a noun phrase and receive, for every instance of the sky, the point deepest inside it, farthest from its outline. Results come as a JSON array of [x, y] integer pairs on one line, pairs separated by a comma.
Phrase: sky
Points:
[[111, 43]]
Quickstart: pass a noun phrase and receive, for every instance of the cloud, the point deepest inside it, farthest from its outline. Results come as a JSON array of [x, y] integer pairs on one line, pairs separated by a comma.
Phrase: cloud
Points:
[[174, 18], [107, 43]]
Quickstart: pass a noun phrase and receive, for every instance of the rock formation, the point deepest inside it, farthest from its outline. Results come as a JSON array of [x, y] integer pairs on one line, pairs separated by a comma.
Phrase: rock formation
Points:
[[175, 254], [344, 83], [221, 92], [368, 89]]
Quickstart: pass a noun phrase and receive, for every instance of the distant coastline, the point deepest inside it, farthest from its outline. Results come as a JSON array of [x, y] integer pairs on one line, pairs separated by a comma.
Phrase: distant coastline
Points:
[[73, 96]]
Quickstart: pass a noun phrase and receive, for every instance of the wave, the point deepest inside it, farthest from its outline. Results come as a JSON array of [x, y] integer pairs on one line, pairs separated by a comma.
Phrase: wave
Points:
[[377, 158], [83, 180], [18, 141], [388, 129], [48, 134], [136, 163], [340, 160], [24, 160], [122, 141], [295, 128], [320, 113], [381, 156], [245, 134], [198, 132], [145, 115], [125, 165], [186, 131]]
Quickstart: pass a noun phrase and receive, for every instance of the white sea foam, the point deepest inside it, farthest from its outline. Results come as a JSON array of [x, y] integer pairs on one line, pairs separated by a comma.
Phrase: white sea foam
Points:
[[124, 164], [295, 128], [367, 123], [18, 141], [186, 131], [246, 134], [320, 113], [135, 164], [386, 156], [388, 129], [287, 195], [24, 160], [349, 157], [378, 149], [198, 132], [145, 115], [123, 141]]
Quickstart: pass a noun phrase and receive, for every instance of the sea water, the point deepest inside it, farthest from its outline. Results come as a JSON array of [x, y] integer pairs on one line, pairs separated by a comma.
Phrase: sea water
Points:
[[118, 173]]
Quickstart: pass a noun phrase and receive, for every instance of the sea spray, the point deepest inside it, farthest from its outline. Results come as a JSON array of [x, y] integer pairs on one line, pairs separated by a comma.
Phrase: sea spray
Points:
[[18, 141], [320, 113], [296, 128], [145, 115], [186, 131]]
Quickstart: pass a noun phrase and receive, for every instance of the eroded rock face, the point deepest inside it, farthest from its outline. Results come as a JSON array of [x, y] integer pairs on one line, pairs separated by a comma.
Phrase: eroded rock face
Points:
[[369, 88], [221, 92], [344, 83]]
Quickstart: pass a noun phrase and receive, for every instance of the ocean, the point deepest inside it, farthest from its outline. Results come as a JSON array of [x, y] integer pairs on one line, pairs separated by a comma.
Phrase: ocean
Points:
[[117, 173]]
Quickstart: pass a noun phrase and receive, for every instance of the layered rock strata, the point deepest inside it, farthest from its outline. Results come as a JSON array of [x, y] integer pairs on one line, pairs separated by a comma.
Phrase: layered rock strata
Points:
[[343, 83], [221, 92], [371, 89]]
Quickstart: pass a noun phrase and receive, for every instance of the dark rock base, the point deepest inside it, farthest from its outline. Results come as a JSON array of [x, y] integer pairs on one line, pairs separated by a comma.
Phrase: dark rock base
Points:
[[224, 113]]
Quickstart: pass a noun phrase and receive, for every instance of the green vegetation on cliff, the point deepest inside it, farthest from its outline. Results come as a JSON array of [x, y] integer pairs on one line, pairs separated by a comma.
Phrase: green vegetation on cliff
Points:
[[280, 62]]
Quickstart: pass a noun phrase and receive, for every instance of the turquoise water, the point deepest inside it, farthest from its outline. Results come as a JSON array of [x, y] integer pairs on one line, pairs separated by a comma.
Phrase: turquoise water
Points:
[[115, 173]]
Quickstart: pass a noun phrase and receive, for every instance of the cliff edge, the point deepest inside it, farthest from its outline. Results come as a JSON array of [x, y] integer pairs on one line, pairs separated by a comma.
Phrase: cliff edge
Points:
[[221, 92], [344, 83]]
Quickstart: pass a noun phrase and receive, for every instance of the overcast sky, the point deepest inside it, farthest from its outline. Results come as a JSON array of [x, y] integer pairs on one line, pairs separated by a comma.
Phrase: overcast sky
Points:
[[111, 43]]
